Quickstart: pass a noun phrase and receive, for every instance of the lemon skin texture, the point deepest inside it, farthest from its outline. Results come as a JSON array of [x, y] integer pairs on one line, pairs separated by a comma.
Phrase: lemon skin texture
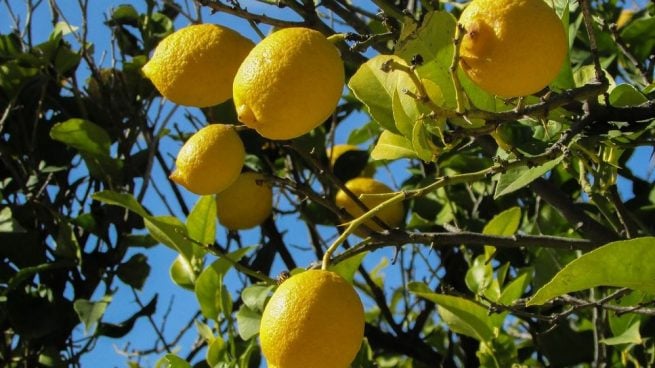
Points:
[[512, 48], [314, 319], [289, 84], [210, 160], [195, 66], [392, 215], [246, 203]]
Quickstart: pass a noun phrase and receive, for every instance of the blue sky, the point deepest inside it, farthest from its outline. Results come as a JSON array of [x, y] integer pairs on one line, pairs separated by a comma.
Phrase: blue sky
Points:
[[183, 303]]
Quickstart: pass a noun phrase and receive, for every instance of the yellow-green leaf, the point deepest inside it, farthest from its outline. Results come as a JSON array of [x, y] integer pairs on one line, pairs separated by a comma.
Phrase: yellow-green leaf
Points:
[[626, 263]]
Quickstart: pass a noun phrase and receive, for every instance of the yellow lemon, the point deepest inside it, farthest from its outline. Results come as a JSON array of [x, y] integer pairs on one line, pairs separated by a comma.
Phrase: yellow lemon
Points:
[[512, 47], [210, 161], [246, 203], [289, 83], [392, 215], [195, 66], [314, 319]]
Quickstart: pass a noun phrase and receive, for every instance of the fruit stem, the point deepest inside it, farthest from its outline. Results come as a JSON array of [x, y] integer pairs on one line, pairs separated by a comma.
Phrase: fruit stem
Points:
[[354, 224], [460, 96]]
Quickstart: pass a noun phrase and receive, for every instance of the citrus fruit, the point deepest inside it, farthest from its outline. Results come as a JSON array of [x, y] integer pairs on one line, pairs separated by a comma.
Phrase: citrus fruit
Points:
[[391, 215], [210, 160], [246, 203], [350, 157], [289, 83], [314, 319], [195, 65], [512, 48]]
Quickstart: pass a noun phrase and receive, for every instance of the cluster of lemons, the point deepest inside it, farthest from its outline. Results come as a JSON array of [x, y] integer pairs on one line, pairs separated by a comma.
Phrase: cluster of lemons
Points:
[[283, 87], [287, 85]]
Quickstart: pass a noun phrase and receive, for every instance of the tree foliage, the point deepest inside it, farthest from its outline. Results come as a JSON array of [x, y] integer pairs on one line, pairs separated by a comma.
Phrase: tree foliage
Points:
[[527, 239]]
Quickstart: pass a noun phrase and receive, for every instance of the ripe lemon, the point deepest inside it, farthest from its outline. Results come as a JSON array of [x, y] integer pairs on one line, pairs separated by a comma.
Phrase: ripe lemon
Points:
[[210, 161], [246, 203], [392, 215], [289, 83], [314, 319], [512, 47], [195, 66]]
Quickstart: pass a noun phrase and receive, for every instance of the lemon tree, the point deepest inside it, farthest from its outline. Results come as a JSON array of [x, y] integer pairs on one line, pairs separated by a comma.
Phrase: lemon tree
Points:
[[391, 184]]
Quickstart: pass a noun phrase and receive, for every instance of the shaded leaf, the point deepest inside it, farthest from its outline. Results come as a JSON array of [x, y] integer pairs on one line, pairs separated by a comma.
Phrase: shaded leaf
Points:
[[248, 322], [626, 95], [626, 263], [135, 271], [463, 316]]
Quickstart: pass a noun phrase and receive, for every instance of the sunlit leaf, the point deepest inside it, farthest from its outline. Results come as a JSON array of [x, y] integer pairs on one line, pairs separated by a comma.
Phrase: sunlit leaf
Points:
[[520, 177], [626, 263], [391, 146], [629, 336], [91, 312], [626, 95], [201, 222], [505, 223], [348, 268], [82, 135], [124, 200]]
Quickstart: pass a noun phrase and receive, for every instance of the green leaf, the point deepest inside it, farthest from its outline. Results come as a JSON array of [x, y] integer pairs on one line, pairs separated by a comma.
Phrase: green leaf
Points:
[[248, 322], [564, 79], [505, 223], [650, 88], [209, 283], [422, 143], [626, 95], [63, 28], [201, 222], [135, 271], [182, 273], [515, 289], [7, 222], [391, 146], [375, 84], [348, 268], [520, 177], [125, 14], [254, 296], [640, 34], [433, 41], [82, 135], [67, 244], [90, 312], [174, 361], [463, 316], [170, 231], [629, 336], [404, 123], [626, 263], [479, 275], [215, 352], [124, 200]]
